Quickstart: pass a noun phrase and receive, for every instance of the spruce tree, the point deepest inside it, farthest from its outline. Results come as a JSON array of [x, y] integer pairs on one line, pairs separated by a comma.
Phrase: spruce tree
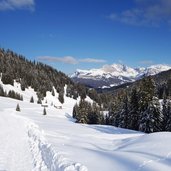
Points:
[[18, 108], [165, 111], [123, 114], [168, 124], [94, 116], [75, 111], [53, 92], [152, 118], [84, 109], [61, 97], [39, 101], [133, 115], [109, 117], [31, 99], [44, 111], [146, 94]]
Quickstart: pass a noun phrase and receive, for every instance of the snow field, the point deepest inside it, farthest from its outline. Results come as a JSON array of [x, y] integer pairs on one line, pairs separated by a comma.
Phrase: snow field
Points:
[[30, 141]]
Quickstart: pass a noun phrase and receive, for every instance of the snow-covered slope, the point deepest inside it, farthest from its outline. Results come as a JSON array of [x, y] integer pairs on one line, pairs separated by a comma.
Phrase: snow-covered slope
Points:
[[32, 141], [116, 74]]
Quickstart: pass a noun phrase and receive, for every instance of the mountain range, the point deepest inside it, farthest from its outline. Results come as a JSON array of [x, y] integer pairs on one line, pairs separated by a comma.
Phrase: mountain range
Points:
[[115, 74]]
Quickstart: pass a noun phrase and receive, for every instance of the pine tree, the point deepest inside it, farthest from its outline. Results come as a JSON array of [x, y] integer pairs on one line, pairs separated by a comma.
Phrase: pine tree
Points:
[[84, 109], [151, 117], [133, 115], [146, 94], [123, 114], [53, 92], [109, 118], [2, 92], [75, 111], [31, 99], [44, 111], [168, 124], [165, 111], [39, 101], [157, 115], [94, 116], [61, 97], [18, 108]]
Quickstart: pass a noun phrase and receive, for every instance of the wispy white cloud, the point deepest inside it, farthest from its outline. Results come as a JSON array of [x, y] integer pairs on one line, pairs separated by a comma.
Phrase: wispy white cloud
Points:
[[16, 4], [120, 61], [145, 13], [70, 60], [66, 59], [147, 62], [92, 60]]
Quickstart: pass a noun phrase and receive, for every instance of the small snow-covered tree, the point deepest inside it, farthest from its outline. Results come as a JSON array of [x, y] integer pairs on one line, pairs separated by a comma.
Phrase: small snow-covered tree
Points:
[[39, 101], [44, 111], [18, 108], [75, 111], [151, 119], [82, 111], [31, 99]]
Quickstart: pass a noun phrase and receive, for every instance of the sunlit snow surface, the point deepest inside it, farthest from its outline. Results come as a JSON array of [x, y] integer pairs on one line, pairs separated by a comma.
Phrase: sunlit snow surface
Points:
[[30, 141]]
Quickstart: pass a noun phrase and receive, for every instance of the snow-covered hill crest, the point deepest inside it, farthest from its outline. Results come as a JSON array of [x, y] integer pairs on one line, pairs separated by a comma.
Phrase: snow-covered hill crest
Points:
[[115, 74]]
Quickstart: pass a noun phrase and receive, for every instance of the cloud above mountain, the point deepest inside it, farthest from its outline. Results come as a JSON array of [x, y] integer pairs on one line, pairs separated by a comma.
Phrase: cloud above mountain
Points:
[[70, 60], [92, 60]]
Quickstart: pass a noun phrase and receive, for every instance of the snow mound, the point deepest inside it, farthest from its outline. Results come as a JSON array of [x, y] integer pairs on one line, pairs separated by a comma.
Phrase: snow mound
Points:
[[45, 158]]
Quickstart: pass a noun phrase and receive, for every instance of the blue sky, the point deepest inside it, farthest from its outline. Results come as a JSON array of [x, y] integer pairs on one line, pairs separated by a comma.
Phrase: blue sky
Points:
[[71, 34]]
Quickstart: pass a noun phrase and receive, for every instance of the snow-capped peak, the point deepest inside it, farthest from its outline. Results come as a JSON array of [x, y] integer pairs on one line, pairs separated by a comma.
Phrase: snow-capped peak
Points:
[[116, 74], [106, 71], [155, 69]]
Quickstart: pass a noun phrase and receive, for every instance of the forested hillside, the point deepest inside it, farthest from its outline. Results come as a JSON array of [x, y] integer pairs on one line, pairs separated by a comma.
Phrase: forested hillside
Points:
[[144, 105], [39, 76]]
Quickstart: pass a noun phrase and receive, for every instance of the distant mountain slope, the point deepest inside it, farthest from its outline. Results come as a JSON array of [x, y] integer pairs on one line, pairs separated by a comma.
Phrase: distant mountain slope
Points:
[[114, 75]]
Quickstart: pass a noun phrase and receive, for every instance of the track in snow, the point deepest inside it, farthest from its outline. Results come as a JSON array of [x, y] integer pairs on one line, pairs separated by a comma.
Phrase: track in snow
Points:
[[14, 148], [24, 148], [45, 158]]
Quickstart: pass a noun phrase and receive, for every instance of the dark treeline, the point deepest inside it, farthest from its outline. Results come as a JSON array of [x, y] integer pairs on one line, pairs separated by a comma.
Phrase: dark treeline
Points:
[[12, 94], [39, 76], [85, 112]]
